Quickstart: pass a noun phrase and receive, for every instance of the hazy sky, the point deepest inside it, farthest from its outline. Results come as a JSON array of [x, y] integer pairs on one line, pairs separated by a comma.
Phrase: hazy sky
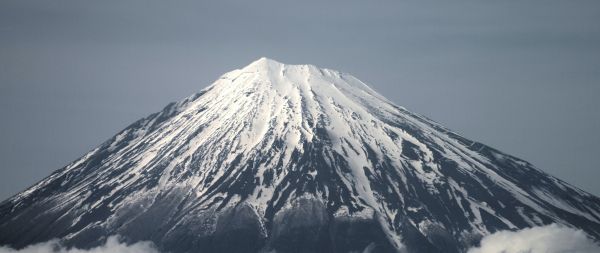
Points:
[[520, 75]]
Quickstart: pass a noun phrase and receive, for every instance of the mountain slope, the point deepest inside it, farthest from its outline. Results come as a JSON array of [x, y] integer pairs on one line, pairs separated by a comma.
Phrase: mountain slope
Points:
[[291, 158]]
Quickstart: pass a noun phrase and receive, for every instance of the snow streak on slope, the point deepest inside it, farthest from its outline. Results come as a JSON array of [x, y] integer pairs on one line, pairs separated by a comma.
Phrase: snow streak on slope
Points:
[[272, 143]]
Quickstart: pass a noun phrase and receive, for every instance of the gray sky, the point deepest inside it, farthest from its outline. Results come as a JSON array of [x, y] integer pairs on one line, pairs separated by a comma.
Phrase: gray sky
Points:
[[520, 75]]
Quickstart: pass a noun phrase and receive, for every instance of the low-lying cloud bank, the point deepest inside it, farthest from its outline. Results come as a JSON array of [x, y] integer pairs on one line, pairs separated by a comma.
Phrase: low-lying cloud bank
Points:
[[112, 245], [546, 239]]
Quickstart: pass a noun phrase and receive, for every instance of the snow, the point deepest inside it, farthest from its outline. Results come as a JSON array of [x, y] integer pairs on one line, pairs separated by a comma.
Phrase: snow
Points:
[[250, 121]]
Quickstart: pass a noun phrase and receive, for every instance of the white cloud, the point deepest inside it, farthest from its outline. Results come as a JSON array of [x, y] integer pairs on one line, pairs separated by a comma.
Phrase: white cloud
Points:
[[546, 239], [112, 245]]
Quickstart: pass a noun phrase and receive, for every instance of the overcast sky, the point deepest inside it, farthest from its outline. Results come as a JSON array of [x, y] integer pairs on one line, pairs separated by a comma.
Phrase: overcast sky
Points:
[[520, 75]]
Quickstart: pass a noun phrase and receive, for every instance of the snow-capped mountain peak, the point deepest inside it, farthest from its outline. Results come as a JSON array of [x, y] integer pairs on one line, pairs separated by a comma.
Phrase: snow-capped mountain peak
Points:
[[292, 158]]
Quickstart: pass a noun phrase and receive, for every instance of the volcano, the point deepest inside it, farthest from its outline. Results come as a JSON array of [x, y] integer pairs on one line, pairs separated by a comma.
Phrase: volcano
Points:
[[291, 158]]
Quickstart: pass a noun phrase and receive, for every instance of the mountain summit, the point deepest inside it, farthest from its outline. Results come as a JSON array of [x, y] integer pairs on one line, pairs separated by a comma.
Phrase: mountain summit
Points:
[[291, 158]]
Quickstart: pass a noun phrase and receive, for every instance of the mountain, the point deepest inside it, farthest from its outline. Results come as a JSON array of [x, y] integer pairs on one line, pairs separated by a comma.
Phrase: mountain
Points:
[[291, 158]]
